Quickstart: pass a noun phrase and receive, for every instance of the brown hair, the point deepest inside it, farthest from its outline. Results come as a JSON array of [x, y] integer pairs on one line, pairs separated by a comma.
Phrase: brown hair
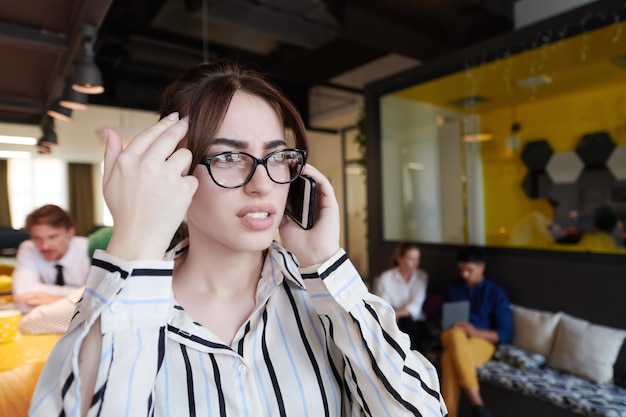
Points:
[[400, 250], [204, 93], [50, 215]]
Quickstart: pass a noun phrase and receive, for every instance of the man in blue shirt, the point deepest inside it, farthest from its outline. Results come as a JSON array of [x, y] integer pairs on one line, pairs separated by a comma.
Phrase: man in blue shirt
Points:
[[468, 345]]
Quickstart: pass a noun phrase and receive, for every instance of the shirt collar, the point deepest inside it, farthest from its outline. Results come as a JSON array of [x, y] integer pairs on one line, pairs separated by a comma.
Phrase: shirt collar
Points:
[[279, 264]]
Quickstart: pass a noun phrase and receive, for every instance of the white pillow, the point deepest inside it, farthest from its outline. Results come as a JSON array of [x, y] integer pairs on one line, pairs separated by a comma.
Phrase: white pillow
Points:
[[533, 330], [585, 349]]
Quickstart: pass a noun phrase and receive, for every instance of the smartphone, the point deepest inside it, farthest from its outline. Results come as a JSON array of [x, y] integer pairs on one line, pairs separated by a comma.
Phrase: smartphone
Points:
[[301, 201]]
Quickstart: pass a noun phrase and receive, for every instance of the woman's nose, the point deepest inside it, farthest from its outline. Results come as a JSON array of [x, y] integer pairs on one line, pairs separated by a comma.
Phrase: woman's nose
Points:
[[260, 181]]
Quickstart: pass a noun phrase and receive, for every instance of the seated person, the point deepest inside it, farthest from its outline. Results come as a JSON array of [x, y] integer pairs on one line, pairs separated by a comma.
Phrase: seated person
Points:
[[606, 227], [53, 263], [533, 231], [468, 345], [537, 229], [55, 317], [404, 286]]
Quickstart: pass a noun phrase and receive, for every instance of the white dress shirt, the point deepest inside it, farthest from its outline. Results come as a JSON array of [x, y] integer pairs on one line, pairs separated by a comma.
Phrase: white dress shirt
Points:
[[35, 273], [316, 344], [392, 287], [51, 318]]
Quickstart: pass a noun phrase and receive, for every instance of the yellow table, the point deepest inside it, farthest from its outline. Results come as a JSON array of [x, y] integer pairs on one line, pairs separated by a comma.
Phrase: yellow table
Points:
[[20, 365]]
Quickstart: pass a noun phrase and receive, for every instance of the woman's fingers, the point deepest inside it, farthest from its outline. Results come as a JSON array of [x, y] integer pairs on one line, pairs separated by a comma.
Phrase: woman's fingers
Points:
[[160, 139], [147, 188], [180, 161], [145, 139], [325, 191], [322, 241], [113, 147], [165, 144]]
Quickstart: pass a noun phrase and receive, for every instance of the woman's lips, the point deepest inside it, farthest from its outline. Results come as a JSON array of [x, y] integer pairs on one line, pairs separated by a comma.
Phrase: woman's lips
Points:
[[257, 217]]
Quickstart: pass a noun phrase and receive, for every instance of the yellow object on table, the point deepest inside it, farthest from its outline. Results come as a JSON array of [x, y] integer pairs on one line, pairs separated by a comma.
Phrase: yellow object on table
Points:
[[6, 283], [21, 362], [9, 325]]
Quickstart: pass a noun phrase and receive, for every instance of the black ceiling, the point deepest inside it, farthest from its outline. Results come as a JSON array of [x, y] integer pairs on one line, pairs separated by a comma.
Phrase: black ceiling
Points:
[[143, 44]]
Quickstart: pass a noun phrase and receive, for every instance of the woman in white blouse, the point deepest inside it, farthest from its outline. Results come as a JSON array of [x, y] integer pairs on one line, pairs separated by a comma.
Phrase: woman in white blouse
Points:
[[229, 322], [404, 287]]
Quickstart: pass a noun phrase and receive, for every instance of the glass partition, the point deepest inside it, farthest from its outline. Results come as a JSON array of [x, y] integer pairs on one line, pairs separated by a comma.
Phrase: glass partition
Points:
[[528, 150]]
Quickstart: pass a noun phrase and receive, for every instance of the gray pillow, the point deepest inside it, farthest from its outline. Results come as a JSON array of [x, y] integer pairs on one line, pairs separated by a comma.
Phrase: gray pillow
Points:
[[585, 349], [533, 330]]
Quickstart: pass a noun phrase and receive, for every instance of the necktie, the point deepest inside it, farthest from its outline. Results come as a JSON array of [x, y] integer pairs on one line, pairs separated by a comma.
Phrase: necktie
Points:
[[59, 280]]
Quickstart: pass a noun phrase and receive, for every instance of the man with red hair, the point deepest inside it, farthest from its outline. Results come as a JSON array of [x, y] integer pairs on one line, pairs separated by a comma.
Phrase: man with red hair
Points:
[[53, 263]]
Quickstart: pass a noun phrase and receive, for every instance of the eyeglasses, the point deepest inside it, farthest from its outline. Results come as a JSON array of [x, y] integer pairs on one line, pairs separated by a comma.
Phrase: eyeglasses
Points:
[[235, 169]]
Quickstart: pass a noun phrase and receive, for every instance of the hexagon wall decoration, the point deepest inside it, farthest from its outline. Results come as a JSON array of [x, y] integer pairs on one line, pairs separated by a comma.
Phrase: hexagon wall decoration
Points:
[[617, 163], [597, 181], [537, 185], [595, 148], [564, 167], [536, 154]]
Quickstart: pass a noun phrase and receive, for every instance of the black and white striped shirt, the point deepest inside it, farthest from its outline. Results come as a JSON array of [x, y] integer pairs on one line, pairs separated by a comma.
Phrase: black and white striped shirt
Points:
[[317, 344]]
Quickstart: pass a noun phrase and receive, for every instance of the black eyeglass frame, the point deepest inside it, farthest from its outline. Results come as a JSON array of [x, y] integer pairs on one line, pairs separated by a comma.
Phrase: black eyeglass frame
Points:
[[256, 162]]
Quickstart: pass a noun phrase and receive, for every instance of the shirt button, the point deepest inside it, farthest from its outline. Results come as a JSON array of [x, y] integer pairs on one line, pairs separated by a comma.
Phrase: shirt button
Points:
[[116, 307], [111, 279], [344, 295], [242, 368]]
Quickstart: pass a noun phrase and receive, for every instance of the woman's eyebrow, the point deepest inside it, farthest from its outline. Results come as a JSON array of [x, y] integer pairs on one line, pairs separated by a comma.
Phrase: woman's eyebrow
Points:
[[274, 144], [232, 143], [242, 144]]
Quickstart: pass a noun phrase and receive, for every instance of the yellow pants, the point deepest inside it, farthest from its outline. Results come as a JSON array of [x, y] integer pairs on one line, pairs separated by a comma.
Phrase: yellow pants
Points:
[[461, 356]]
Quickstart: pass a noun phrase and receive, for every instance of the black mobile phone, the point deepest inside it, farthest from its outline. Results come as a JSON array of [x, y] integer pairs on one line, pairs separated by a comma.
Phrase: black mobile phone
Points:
[[301, 201]]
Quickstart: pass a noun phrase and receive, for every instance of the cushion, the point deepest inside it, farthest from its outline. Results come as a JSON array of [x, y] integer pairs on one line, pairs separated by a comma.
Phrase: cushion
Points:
[[534, 329], [585, 349], [519, 358], [619, 368]]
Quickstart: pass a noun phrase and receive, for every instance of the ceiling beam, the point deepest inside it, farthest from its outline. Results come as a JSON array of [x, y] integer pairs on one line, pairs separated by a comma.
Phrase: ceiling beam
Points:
[[20, 36], [20, 104], [364, 27], [305, 23]]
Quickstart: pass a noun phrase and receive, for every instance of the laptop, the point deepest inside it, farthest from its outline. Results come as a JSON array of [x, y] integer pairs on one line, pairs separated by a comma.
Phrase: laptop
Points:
[[453, 312]]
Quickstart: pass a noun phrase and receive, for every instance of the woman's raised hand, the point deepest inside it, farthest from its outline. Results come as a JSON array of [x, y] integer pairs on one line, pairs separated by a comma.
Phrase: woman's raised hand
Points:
[[147, 188], [318, 244]]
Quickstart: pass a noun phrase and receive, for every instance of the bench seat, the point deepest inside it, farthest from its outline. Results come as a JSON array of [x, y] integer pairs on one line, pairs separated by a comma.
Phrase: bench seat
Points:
[[564, 390]]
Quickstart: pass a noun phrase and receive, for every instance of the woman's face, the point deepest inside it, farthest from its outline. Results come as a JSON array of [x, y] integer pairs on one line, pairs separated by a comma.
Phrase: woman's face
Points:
[[244, 218], [409, 261]]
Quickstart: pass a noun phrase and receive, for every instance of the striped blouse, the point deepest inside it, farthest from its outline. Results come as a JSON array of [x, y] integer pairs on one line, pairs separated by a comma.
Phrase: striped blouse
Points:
[[317, 344]]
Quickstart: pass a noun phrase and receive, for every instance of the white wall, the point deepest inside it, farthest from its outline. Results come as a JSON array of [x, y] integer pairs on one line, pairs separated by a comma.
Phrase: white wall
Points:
[[410, 163], [424, 168], [81, 139], [325, 155]]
